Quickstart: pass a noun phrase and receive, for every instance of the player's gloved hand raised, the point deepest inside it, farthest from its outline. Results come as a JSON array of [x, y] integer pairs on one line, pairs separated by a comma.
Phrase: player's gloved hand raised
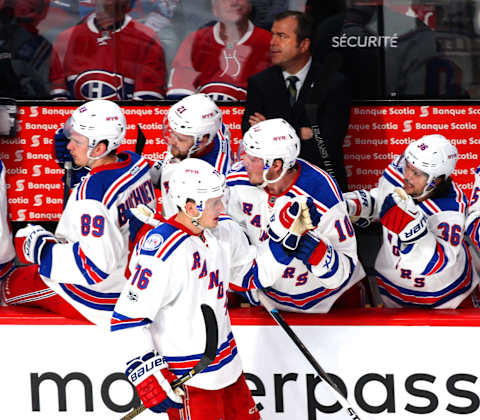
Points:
[[400, 215], [33, 243], [138, 217], [150, 376], [291, 220], [62, 154], [360, 206], [156, 168]]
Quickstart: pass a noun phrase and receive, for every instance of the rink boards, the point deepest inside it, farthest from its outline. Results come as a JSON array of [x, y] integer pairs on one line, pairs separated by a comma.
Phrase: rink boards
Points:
[[394, 364]]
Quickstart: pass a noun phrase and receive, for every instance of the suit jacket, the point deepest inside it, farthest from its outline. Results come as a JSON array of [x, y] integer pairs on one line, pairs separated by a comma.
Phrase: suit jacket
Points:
[[267, 94]]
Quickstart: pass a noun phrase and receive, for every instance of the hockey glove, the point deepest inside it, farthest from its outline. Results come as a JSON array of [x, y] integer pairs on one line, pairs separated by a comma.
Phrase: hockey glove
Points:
[[62, 154], [138, 217], [288, 223], [400, 215], [360, 206], [150, 376], [156, 168], [33, 243], [310, 215], [316, 252]]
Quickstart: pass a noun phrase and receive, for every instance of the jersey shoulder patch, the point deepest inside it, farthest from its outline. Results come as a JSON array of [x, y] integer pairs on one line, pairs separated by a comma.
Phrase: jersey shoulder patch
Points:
[[237, 175], [161, 241]]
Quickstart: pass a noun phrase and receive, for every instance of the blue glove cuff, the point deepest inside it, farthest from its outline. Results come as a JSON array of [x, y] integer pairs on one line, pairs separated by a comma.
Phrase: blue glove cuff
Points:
[[279, 252]]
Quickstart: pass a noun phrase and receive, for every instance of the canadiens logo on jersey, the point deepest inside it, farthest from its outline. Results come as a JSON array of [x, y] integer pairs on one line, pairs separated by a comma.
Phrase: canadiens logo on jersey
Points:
[[97, 84], [224, 92]]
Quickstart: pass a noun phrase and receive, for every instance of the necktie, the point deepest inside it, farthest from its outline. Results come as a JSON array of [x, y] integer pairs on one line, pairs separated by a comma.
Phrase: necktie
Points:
[[292, 89]]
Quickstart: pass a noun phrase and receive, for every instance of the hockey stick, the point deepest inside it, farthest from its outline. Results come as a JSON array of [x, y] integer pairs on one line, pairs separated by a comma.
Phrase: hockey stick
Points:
[[323, 375], [211, 331], [67, 184], [311, 108], [141, 140], [471, 244]]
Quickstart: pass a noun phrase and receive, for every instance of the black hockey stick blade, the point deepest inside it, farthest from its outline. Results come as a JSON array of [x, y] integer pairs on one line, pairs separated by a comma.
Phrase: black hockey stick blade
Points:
[[67, 183], [141, 140], [472, 246], [323, 375], [211, 344]]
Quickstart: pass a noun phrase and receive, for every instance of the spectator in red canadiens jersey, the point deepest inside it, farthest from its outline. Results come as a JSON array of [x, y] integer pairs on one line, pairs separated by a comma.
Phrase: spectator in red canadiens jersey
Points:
[[218, 59], [109, 55]]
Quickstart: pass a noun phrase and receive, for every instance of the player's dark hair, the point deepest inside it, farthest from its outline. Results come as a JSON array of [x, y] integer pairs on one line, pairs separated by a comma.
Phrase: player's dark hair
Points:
[[304, 27], [442, 189]]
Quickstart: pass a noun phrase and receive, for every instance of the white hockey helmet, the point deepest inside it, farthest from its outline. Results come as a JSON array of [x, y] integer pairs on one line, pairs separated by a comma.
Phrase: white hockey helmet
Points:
[[195, 115], [98, 120], [434, 155], [269, 140], [196, 180]]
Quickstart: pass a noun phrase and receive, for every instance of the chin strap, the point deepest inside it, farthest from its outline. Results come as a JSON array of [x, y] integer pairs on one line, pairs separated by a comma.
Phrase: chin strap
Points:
[[194, 219], [271, 181]]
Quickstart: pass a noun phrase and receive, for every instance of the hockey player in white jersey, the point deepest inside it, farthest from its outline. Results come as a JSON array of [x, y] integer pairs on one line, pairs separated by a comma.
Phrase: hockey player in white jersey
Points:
[[79, 271], [7, 251], [191, 259], [268, 182], [193, 128], [472, 225], [423, 261]]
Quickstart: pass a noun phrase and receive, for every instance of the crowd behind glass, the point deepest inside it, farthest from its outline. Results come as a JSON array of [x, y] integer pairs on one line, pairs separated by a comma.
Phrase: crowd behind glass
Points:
[[390, 49]]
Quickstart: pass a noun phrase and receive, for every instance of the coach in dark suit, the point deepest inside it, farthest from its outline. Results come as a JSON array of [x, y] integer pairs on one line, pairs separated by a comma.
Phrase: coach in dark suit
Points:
[[295, 80]]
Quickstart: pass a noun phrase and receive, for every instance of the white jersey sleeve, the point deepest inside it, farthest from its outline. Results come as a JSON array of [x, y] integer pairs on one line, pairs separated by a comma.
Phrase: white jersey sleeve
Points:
[[334, 229], [96, 253], [253, 266], [7, 251]]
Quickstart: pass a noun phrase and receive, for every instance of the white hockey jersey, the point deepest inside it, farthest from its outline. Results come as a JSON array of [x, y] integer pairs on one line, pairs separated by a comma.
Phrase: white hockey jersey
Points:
[[175, 271], [87, 270], [7, 251], [299, 288], [218, 154], [436, 270]]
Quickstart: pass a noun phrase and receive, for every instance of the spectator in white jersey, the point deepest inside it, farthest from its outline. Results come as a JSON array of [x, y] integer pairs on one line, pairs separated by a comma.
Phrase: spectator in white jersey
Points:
[[423, 261], [78, 272], [189, 260], [322, 267]]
